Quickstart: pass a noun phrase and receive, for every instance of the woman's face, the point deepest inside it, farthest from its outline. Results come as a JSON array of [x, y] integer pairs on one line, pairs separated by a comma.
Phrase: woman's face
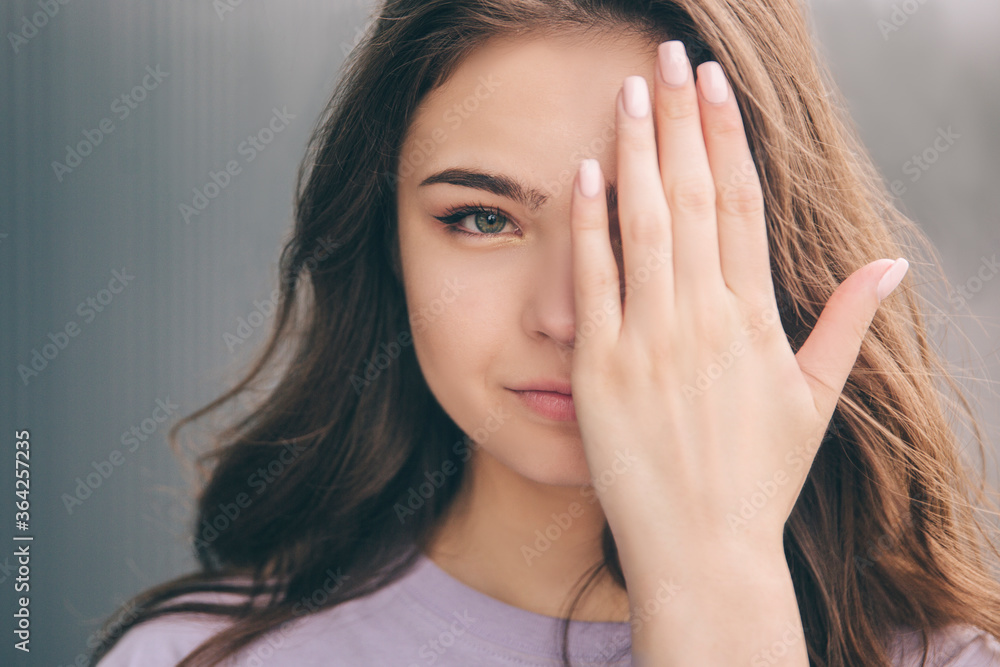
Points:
[[493, 309]]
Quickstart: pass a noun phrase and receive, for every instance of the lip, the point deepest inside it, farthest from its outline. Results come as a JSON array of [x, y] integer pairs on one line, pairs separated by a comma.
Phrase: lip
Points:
[[547, 385], [549, 404]]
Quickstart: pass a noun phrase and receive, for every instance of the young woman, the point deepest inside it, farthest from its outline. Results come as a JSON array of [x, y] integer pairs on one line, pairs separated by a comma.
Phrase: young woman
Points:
[[602, 368]]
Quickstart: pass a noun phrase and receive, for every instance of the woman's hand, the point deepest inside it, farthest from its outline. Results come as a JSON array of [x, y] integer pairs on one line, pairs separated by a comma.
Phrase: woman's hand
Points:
[[687, 389]]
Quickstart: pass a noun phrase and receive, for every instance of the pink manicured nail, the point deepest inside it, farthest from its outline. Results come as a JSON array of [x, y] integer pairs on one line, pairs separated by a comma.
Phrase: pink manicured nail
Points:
[[714, 87], [892, 278], [673, 63], [590, 177], [636, 96]]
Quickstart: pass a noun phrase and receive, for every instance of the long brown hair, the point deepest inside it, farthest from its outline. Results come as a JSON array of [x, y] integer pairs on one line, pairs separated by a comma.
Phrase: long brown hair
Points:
[[885, 531]]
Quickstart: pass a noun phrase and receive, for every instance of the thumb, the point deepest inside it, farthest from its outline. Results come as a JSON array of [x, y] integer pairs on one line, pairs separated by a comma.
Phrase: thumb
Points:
[[830, 352]]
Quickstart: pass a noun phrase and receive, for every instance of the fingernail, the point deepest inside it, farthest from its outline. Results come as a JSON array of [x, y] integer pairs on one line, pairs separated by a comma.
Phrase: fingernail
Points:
[[590, 177], [636, 96], [714, 86], [892, 278], [673, 63]]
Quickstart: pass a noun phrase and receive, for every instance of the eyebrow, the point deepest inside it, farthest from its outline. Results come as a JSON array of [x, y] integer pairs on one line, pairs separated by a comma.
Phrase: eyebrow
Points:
[[505, 186]]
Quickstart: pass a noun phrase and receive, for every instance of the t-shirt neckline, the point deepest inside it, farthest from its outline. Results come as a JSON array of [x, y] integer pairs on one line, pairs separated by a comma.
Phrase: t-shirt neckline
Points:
[[511, 627]]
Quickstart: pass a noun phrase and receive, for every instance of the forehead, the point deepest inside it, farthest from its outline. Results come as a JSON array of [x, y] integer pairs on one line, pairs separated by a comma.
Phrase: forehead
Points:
[[526, 102]]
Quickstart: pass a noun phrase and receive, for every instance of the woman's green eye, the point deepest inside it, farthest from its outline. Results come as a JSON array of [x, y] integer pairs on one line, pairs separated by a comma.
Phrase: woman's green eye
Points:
[[488, 220]]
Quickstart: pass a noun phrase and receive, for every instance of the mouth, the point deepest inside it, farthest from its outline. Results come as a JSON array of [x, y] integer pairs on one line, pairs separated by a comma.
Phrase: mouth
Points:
[[553, 405], [543, 391], [546, 385]]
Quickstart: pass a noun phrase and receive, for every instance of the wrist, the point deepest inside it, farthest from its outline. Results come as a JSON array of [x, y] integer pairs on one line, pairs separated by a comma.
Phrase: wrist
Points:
[[728, 571], [680, 614]]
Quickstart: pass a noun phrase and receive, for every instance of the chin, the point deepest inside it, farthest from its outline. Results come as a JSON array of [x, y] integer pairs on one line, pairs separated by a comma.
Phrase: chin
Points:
[[558, 462]]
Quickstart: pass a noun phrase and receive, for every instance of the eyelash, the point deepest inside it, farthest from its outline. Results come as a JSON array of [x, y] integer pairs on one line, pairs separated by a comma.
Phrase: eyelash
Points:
[[456, 214]]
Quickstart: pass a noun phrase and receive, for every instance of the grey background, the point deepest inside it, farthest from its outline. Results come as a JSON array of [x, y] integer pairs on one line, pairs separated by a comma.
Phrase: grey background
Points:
[[161, 338]]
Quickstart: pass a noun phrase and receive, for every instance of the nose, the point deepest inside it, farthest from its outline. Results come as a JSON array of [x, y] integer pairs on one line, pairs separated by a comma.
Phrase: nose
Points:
[[550, 308]]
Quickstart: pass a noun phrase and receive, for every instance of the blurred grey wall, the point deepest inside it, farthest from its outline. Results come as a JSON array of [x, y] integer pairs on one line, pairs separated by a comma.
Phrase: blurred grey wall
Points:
[[121, 306]]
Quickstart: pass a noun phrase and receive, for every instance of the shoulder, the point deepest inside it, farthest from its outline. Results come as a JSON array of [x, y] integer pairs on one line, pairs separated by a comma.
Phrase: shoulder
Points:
[[956, 645], [162, 641], [312, 632], [167, 639]]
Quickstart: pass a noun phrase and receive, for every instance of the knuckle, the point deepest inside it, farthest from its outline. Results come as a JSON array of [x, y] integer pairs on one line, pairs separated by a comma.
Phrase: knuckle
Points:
[[678, 107], [661, 356], [712, 334], [599, 281], [634, 139], [589, 220], [711, 322], [645, 227], [742, 199], [694, 194], [726, 126]]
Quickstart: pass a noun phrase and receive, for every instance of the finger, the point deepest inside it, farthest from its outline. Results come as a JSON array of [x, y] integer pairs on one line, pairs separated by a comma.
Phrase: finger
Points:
[[830, 352], [596, 287], [686, 177], [643, 216], [743, 252]]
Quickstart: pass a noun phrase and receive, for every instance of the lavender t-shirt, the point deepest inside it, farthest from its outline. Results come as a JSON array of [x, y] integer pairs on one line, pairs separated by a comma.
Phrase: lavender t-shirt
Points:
[[427, 617]]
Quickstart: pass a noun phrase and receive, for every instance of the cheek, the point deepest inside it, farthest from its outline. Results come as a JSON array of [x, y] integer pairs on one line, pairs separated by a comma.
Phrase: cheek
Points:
[[461, 324], [458, 323], [459, 298], [454, 351], [462, 312]]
